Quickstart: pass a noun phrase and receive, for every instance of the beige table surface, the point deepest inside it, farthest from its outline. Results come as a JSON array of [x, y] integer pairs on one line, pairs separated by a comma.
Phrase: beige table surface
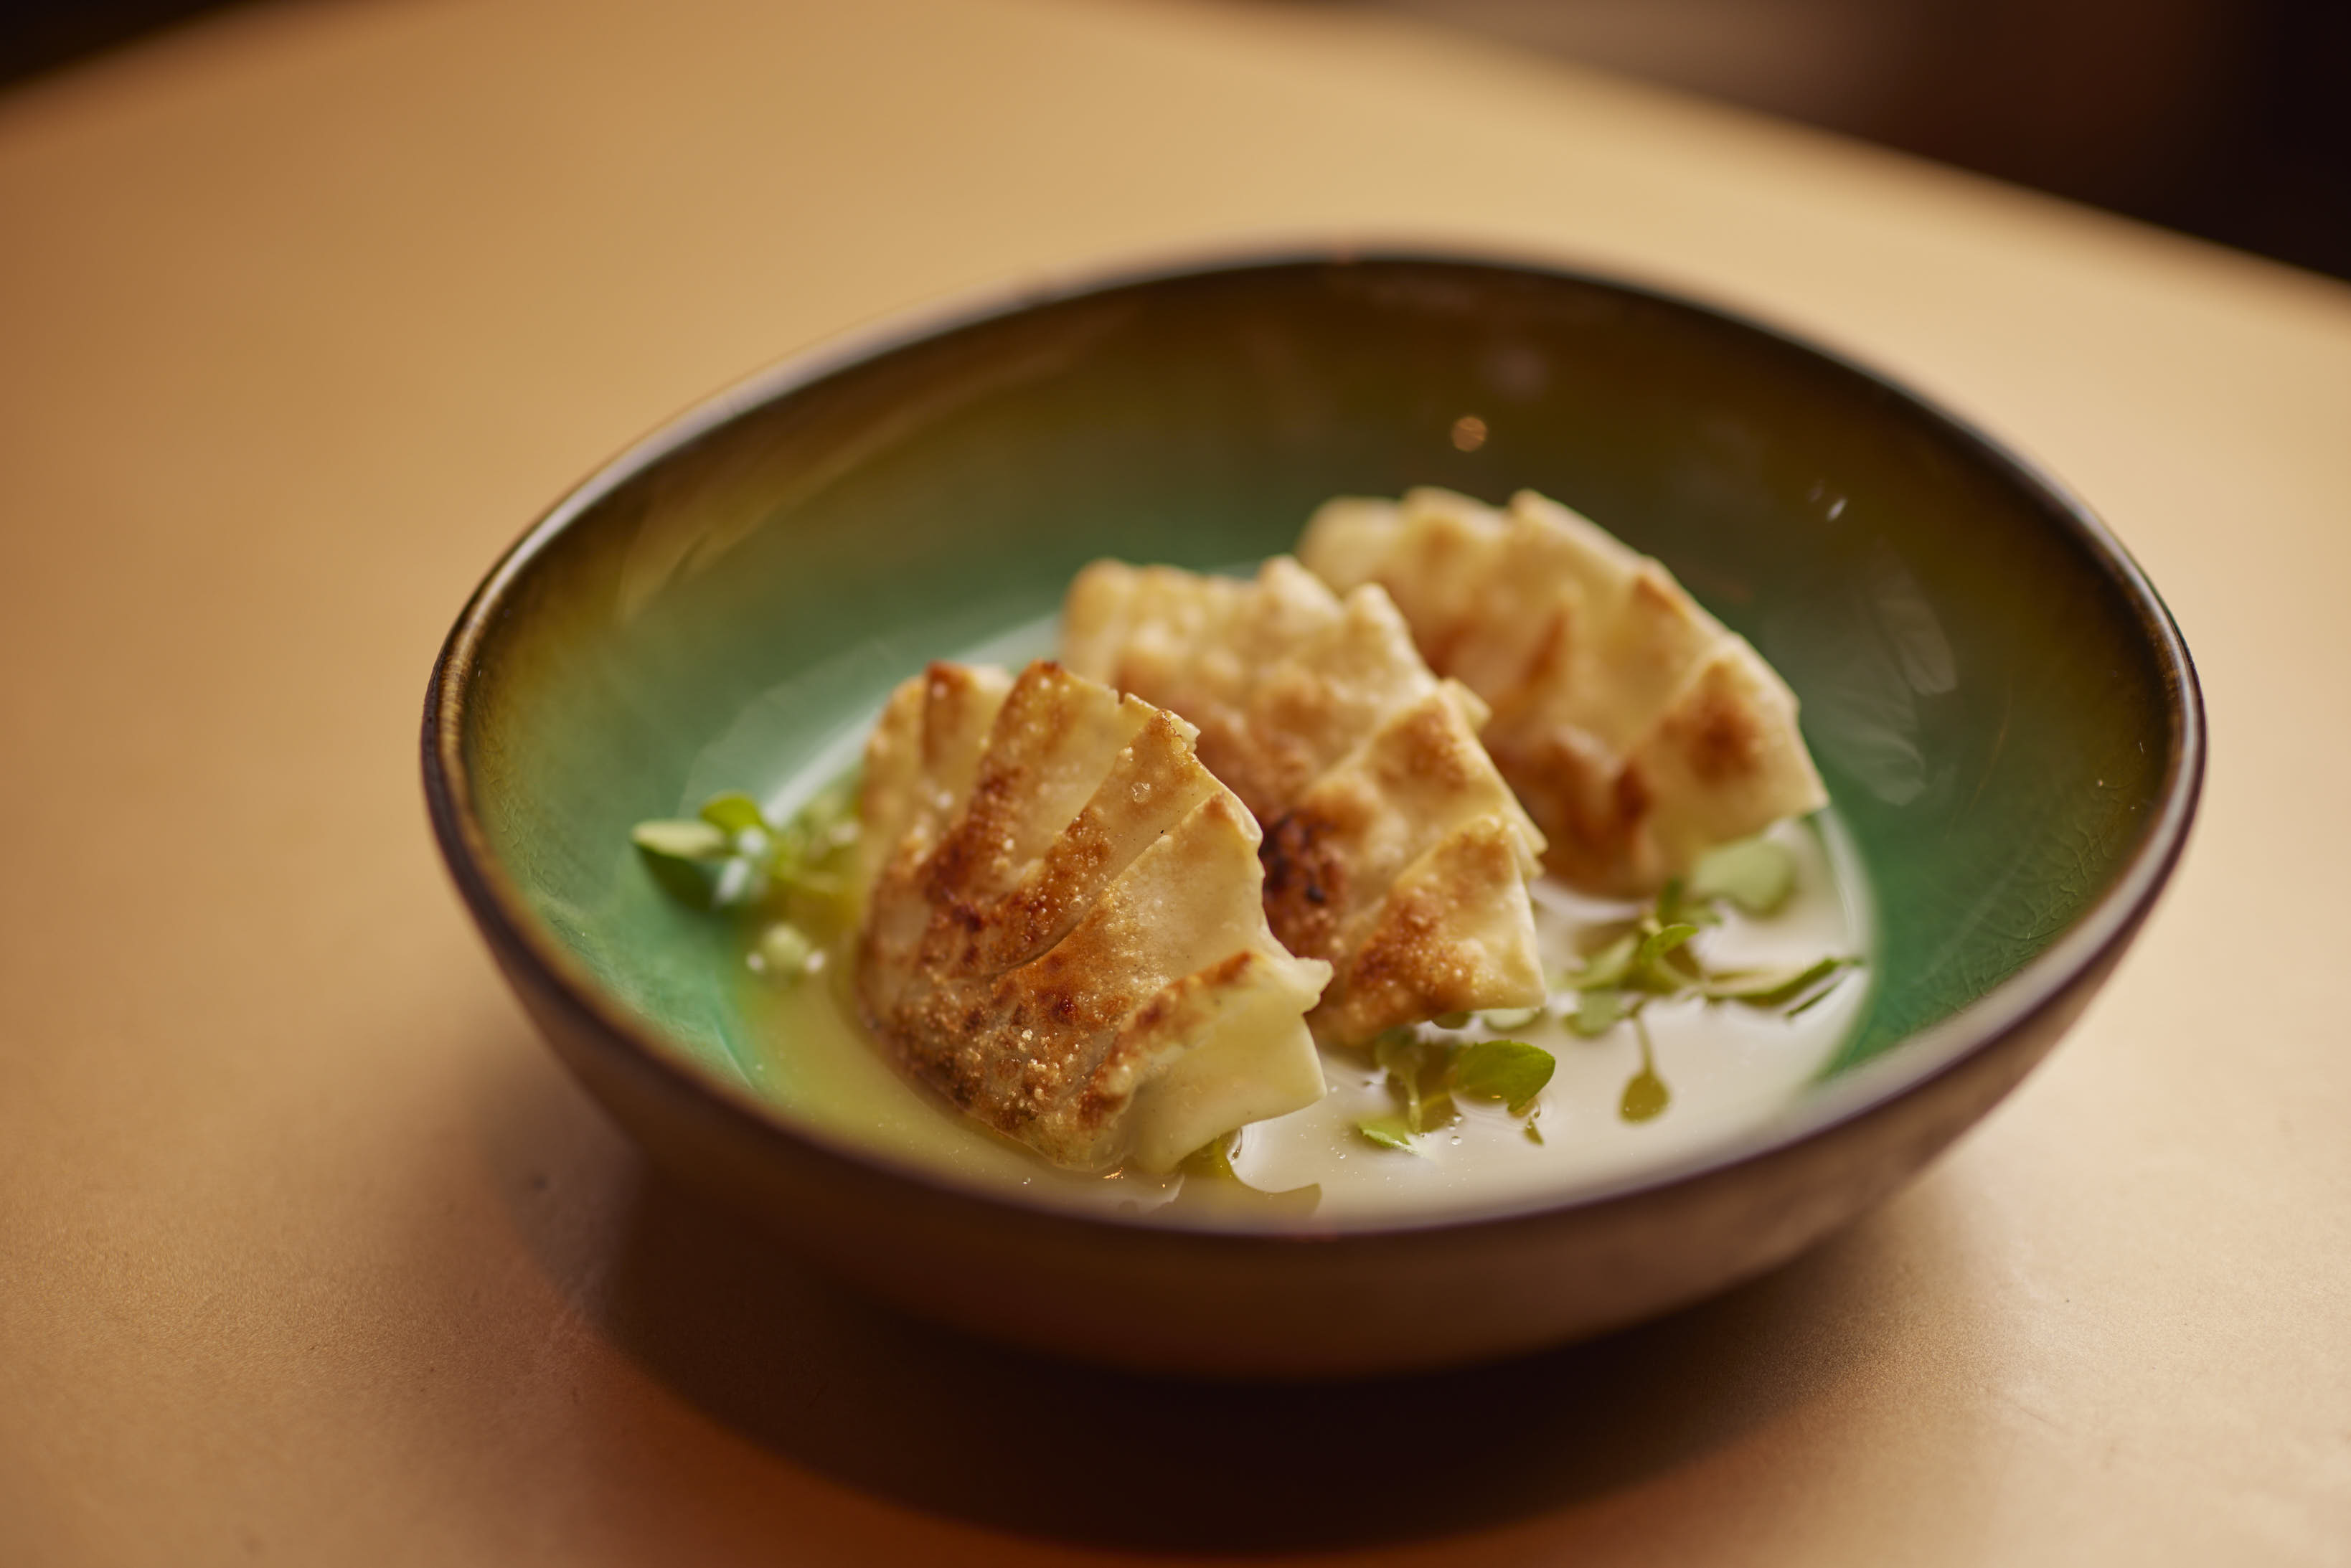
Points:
[[308, 1251]]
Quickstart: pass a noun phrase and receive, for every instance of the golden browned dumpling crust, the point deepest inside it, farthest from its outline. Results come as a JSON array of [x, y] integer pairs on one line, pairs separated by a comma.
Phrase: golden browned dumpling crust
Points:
[[1062, 929], [1637, 729], [1393, 847]]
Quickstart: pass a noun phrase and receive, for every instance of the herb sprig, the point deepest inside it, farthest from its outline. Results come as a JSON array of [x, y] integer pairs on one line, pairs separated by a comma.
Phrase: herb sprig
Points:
[[1425, 1075], [1648, 958], [731, 856], [1651, 958]]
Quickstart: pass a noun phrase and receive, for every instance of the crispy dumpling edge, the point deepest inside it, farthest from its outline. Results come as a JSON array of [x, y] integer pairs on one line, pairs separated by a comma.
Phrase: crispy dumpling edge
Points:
[[1611, 828], [906, 755], [1139, 626]]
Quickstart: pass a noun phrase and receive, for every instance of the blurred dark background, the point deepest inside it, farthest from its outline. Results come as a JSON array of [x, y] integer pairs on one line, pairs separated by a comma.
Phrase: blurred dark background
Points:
[[2228, 119]]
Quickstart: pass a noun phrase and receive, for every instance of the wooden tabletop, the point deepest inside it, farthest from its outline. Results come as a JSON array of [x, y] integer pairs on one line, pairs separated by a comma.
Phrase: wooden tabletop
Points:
[[309, 1252]]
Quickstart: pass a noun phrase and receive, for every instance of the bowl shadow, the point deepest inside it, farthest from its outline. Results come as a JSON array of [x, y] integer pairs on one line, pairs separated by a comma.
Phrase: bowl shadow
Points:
[[930, 1419]]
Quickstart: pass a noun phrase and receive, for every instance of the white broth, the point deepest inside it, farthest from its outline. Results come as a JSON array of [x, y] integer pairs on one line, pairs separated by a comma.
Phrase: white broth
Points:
[[1725, 1067]]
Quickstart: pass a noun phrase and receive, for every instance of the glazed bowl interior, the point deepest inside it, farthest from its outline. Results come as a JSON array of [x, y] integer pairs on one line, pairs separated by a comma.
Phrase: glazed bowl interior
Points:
[[1996, 725]]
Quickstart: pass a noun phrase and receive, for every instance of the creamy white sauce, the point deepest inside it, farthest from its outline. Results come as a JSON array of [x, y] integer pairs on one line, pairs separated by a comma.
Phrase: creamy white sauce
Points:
[[1728, 1067]]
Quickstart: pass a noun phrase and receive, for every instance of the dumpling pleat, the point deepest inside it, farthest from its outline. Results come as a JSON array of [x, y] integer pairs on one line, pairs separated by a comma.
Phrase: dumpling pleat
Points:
[[1028, 958], [1356, 760], [1638, 731]]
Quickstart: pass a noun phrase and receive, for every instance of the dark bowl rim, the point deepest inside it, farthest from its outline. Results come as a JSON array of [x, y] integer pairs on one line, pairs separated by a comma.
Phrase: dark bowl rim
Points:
[[1903, 1068]]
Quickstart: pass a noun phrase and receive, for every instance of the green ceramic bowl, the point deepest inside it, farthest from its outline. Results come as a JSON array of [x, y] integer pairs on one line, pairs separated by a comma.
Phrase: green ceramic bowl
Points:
[[2004, 713]]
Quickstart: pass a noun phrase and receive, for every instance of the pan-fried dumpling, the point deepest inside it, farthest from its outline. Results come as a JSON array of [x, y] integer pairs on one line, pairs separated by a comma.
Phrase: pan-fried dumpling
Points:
[[1393, 849], [1637, 729], [1062, 926]]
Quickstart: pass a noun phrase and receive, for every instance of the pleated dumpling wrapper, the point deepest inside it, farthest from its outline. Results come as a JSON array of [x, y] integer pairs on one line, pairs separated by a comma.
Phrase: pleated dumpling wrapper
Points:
[[1393, 849], [1062, 927], [1636, 728]]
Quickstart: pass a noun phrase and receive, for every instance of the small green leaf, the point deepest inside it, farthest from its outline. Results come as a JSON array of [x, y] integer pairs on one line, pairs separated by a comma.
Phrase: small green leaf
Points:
[[1406, 1057], [1510, 1071], [1661, 966], [1610, 965], [1645, 1096], [1657, 943], [1757, 874], [1677, 905], [1815, 999], [733, 813], [1597, 1012], [1509, 1018], [730, 855], [681, 838], [1398, 1053], [1534, 1133], [1387, 1132], [1451, 1021], [1775, 989], [683, 858]]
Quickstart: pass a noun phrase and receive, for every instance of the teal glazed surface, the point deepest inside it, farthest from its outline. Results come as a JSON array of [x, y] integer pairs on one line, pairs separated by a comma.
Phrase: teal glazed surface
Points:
[[2003, 713], [1983, 704]]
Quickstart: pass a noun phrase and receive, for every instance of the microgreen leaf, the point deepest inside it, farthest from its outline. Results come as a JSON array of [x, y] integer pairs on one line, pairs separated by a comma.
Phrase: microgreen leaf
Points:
[[681, 838], [683, 857], [733, 813], [1597, 1012], [1775, 989], [730, 855], [1534, 1133], [1509, 1018], [1815, 999], [1387, 1132], [1510, 1071], [1398, 1053], [1757, 874], [1406, 1057], [1391, 1046], [1677, 905], [1645, 1096], [1660, 966], [1657, 943], [1609, 966]]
